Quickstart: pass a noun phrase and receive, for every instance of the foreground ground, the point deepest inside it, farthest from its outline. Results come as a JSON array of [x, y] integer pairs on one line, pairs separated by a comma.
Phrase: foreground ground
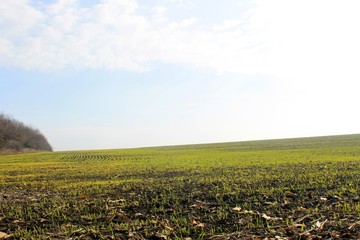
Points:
[[280, 189]]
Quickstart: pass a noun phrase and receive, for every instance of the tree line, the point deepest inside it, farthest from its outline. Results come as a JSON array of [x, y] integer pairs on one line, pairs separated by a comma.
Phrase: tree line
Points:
[[16, 136]]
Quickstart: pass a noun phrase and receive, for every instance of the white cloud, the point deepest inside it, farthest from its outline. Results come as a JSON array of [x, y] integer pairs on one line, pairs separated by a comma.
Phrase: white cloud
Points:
[[184, 3], [159, 14], [283, 38], [63, 15], [312, 34], [113, 35], [5, 50], [312, 47], [18, 17], [228, 24]]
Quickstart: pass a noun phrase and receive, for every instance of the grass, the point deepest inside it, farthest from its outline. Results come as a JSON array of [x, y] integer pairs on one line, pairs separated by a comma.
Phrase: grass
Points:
[[289, 189]]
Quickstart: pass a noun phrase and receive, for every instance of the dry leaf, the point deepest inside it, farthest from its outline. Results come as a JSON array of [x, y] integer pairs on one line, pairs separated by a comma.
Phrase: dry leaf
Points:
[[138, 214], [319, 225], [248, 212], [160, 236], [200, 225], [4, 235], [270, 218], [353, 225], [237, 209], [266, 216]]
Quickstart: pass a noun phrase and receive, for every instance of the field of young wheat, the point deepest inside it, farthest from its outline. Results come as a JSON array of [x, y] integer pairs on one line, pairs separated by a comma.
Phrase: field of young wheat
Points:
[[278, 189]]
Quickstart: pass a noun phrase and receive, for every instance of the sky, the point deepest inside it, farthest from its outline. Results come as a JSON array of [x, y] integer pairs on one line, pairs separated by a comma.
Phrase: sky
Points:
[[100, 74]]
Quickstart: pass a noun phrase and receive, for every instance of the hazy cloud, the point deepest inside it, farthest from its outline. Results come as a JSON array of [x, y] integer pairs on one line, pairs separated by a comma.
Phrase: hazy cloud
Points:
[[159, 14], [183, 3], [277, 37], [114, 35]]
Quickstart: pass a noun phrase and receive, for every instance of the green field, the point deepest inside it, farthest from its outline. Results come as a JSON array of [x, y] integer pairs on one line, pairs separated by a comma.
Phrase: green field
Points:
[[282, 189]]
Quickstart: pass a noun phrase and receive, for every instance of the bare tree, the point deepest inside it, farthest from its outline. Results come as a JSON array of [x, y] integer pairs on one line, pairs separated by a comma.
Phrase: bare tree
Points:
[[16, 135]]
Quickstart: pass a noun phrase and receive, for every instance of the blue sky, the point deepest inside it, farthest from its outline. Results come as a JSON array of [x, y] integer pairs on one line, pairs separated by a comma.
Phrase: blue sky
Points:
[[126, 73]]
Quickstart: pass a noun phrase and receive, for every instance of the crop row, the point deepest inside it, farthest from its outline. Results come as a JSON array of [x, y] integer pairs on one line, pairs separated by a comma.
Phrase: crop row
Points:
[[296, 189]]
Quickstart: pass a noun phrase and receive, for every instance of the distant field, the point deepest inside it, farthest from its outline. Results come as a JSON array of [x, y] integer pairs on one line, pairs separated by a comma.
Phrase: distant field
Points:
[[282, 189]]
